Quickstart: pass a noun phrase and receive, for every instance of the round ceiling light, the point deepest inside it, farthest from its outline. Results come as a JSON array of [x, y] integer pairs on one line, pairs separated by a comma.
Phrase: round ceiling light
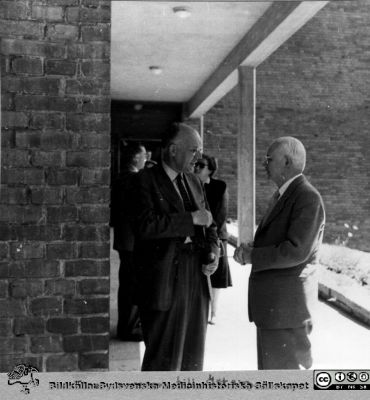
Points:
[[182, 11], [155, 70]]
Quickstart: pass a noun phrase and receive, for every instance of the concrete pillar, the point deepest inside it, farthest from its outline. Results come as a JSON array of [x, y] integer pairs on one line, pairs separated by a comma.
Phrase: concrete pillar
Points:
[[201, 128], [0, 124], [246, 153]]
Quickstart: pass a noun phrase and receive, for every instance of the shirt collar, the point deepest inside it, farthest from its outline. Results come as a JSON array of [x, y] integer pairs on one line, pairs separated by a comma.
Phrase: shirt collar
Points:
[[133, 168], [285, 186], [172, 174]]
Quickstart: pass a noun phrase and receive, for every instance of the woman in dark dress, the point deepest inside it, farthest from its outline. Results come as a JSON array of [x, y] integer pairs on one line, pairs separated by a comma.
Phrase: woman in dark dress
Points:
[[217, 196]]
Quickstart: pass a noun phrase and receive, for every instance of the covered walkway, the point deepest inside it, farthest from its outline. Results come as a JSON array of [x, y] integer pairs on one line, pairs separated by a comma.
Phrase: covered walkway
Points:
[[338, 341]]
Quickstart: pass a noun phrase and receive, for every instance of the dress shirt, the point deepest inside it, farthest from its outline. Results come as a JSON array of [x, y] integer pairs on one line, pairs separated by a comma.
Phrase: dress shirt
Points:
[[285, 186], [132, 168]]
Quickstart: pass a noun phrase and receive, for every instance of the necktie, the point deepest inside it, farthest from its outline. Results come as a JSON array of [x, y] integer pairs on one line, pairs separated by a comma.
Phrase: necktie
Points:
[[184, 194]]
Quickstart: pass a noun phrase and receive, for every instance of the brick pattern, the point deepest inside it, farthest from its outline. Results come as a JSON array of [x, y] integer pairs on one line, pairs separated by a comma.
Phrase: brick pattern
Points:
[[316, 87], [55, 176]]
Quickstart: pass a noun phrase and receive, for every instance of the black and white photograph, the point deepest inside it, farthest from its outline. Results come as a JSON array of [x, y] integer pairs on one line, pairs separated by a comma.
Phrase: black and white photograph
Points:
[[184, 193]]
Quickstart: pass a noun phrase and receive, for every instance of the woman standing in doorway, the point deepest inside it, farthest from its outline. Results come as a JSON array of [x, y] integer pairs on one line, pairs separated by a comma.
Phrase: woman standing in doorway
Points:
[[217, 196]]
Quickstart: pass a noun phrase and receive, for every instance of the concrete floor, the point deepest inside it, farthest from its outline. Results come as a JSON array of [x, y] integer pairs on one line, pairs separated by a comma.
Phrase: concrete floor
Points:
[[337, 341]]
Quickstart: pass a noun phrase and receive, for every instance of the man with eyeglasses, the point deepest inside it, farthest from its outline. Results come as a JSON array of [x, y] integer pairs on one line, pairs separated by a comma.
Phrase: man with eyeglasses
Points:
[[283, 285], [176, 248]]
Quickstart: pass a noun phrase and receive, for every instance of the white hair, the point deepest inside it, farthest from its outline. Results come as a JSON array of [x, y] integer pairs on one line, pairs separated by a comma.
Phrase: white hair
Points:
[[294, 149]]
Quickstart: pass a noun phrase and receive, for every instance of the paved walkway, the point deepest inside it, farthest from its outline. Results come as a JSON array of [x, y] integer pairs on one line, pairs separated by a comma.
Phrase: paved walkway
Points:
[[338, 342]]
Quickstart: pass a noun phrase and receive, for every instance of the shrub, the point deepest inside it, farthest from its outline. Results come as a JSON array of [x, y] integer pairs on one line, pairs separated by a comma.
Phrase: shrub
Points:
[[350, 262]]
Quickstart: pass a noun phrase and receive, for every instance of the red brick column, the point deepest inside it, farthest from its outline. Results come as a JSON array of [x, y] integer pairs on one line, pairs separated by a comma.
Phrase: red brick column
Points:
[[54, 199]]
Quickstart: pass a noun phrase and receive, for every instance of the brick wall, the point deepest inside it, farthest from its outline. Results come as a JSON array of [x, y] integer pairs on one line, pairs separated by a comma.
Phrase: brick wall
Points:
[[315, 87], [54, 201]]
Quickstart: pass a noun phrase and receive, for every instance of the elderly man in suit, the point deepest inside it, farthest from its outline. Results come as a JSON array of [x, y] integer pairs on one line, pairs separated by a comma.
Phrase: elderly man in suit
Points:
[[176, 247], [282, 283]]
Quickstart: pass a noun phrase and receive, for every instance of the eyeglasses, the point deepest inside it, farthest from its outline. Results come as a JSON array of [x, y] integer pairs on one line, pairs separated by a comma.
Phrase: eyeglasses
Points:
[[267, 160], [200, 165]]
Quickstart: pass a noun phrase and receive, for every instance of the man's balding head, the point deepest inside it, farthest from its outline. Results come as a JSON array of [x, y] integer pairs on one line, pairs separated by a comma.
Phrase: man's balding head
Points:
[[181, 147]]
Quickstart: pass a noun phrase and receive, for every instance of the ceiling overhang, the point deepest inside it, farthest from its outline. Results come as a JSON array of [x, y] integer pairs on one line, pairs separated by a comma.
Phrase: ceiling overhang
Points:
[[275, 27], [200, 55]]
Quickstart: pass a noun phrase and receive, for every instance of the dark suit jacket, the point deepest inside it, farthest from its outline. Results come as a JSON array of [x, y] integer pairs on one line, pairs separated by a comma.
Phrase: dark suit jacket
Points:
[[122, 194], [161, 224], [282, 284], [217, 198]]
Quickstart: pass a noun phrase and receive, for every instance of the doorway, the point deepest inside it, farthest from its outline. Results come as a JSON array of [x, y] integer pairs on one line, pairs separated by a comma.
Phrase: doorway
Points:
[[144, 123]]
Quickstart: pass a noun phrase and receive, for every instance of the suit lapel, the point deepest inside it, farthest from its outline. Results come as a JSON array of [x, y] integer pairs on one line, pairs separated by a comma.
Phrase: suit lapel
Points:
[[167, 189], [193, 191], [198, 201], [282, 200]]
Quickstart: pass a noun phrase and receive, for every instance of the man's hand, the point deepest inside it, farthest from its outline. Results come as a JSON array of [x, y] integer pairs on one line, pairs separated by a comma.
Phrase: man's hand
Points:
[[243, 253], [210, 268], [202, 217]]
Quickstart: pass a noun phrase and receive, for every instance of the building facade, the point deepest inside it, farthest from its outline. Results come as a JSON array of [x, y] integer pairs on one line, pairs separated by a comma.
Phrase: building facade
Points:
[[315, 87]]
